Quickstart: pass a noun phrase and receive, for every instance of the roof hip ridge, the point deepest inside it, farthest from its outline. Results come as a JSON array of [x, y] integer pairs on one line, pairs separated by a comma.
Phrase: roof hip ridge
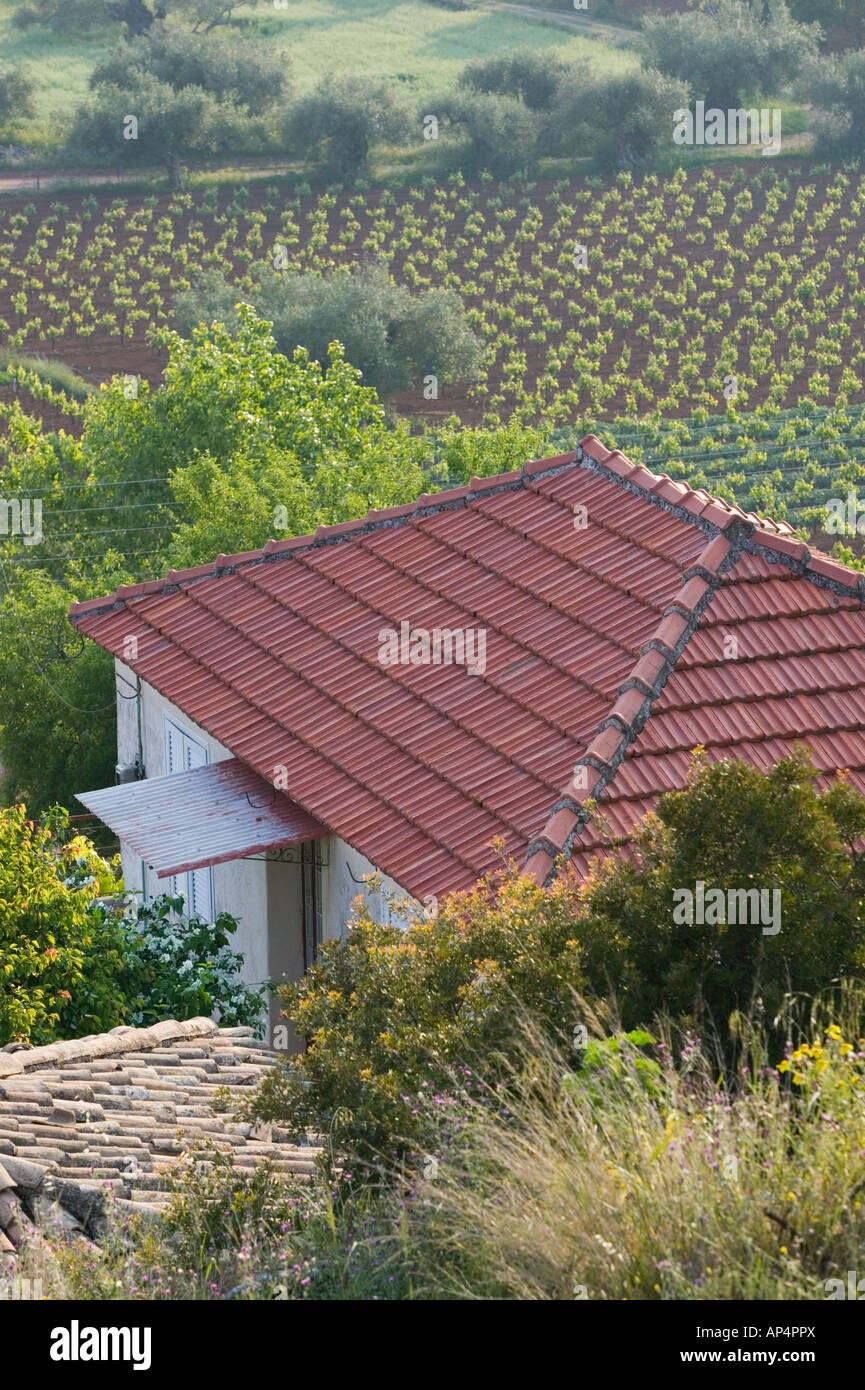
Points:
[[111, 1044], [631, 709]]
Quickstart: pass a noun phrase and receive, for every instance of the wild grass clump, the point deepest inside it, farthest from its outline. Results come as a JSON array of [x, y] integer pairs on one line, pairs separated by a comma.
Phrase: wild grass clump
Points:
[[646, 1175]]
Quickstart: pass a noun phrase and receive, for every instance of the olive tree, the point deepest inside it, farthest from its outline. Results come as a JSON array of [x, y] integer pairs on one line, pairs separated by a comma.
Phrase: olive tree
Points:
[[340, 121], [731, 53]]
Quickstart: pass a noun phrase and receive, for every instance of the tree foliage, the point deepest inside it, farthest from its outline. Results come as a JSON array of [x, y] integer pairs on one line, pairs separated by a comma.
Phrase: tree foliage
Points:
[[732, 52], [342, 119], [734, 827], [16, 95], [388, 334], [624, 118], [169, 94], [71, 964], [58, 954], [501, 132], [176, 966], [137, 16], [250, 75], [534, 77], [835, 86]]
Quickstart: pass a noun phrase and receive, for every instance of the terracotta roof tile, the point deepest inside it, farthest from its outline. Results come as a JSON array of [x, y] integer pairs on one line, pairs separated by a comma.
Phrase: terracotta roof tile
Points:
[[587, 575], [109, 1114]]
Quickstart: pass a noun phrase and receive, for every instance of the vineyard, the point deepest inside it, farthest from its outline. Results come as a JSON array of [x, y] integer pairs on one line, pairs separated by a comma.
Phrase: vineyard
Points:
[[703, 321]]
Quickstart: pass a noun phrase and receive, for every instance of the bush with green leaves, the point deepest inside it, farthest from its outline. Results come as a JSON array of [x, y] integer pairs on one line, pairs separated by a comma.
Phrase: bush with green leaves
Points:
[[73, 963], [185, 96], [16, 95], [526, 73], [388, 1013], [251, 74], [732, 52], [182, 967], [500, 131], [390, 335], [846, 16], [835, 86], [733, 827], [341, 119], [138, 16], [59, 955], [624, 119]]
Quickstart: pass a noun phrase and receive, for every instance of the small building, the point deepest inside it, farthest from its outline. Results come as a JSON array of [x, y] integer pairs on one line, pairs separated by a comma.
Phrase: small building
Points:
[[414, 693]]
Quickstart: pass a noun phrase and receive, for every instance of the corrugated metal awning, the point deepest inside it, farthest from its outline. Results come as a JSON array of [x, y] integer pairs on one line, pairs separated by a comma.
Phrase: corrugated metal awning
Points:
[[207, 815]]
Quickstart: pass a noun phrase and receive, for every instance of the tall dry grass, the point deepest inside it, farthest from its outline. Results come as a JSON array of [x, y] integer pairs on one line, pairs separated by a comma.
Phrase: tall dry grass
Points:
[[632, 1181]]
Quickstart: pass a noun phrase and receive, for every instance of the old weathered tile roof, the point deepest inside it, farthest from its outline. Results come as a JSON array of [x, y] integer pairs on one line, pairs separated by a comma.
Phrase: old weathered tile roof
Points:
[[113, 1112], [608, 595]]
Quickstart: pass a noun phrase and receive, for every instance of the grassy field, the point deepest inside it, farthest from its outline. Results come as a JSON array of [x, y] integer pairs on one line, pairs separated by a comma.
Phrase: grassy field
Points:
[[419, 47]]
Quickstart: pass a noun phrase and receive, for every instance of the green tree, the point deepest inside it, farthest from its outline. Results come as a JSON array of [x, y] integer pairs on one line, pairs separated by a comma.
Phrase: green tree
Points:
[[248, 74], [340, 121], [837, 17], [58, 953], [734, 827], [835, 86], [138, 16], [16, 95], [151, 122], [732, 52], [532, 76], [624, 119], [168, 95], [388, 334], [500, 131], [58, 692]]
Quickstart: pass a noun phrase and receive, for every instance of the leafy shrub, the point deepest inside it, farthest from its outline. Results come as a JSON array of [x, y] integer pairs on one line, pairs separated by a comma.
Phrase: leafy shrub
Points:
[[388, 334], [72, 965], [388, 1012], [59, 956], [532, 76], [500, 130], [180, 967], [16, 95], [731, 53], [342, 119], [734, 827], [624, 118], [250, 74], [835, 86]]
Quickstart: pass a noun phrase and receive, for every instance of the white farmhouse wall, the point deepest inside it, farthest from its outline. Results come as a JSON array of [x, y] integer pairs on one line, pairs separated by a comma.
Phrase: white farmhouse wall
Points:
[[340, 887]]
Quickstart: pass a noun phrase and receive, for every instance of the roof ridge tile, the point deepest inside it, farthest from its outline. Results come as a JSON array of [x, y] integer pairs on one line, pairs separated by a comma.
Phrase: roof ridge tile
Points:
[[630, 711]]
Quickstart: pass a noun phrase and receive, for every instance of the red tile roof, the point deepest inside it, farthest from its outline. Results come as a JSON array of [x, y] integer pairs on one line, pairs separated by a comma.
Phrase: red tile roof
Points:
[[590, 630]]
